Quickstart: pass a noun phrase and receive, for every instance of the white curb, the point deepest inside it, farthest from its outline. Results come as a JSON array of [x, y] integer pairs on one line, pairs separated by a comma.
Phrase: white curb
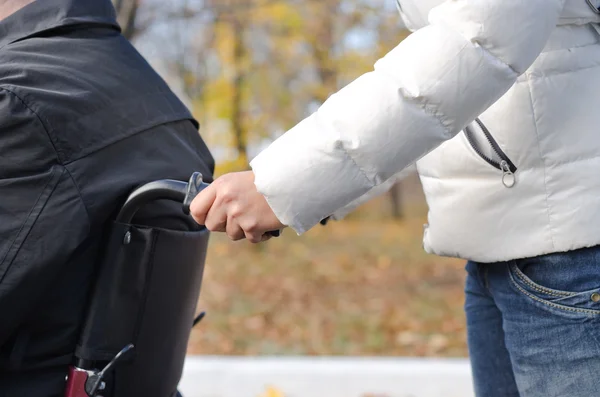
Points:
[[325, 377]]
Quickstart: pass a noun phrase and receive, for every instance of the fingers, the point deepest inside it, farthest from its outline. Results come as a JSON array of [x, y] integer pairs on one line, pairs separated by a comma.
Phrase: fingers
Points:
[[216, 219], [233, 230], [252, 231], [207, 210], [231, 204], [202, 203], [254, 238], [257, 236]]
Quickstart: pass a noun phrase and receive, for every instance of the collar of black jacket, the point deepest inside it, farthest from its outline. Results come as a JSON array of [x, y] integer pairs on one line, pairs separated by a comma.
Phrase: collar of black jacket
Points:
[[43, 15]]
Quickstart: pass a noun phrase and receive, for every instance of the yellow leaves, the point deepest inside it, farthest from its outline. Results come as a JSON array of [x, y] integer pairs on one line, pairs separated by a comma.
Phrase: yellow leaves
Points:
[[281, 16], [224, 35], [238, 164], [218, 93], [272, 392], [266, 63]]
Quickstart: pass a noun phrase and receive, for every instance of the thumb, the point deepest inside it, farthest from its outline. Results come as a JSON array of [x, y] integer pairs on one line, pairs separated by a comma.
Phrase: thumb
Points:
[[201, 204]]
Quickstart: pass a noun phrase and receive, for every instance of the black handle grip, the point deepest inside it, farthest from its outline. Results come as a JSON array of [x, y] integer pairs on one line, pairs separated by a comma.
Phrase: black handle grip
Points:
[[194, 186], [166, 189], [158, 190]]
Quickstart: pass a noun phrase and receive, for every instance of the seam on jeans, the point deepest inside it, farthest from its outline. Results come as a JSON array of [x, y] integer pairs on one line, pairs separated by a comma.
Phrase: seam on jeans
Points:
[[553, 305], [486, 278], [476, 276], [481, 279], [539, 288]]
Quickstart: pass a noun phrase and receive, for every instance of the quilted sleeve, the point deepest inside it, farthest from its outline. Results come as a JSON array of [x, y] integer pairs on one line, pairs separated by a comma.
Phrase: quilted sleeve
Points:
[[420, 94]]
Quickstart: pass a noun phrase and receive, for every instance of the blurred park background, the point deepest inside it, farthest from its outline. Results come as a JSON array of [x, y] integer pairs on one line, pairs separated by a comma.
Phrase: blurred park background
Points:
[[250, 70]]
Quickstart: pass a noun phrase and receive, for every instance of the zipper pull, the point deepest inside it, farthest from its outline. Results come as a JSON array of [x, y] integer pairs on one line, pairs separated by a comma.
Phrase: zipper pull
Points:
[[508, 177]]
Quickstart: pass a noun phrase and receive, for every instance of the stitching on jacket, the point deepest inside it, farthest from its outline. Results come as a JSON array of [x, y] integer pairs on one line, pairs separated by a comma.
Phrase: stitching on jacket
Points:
[[549, 73], [419, 100], [168, 119], [495, 60], [427, 107], [362, 171], [58, 158], [433, 111], [522, 170], [30, 222], [567, 162], [78, 189], [33, 208], [537, 133], [339, 143], [60, 154], [56, 153], [576, 21]]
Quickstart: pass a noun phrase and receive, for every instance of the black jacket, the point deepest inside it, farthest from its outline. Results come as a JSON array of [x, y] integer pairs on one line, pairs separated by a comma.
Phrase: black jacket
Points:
[[83, 120]]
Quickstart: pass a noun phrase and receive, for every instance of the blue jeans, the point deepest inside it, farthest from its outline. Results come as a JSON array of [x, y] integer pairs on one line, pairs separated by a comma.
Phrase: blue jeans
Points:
[[534, 325]]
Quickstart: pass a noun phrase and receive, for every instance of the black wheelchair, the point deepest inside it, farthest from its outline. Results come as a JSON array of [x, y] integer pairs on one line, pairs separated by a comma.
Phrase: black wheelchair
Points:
[[142, 310]]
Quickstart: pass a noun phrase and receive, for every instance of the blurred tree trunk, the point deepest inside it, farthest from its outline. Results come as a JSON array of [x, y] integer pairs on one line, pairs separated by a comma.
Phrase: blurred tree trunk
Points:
[[239, 77], [395, 195], [322, 43], [126, 14], [233, 17]]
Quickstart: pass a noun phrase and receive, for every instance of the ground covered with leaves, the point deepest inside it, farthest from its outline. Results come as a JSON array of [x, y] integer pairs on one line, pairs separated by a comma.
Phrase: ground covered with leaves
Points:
[[362, 286]]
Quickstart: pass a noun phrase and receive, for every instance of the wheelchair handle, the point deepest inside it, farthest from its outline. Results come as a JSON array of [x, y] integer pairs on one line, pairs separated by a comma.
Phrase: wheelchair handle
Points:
[[166, 189]]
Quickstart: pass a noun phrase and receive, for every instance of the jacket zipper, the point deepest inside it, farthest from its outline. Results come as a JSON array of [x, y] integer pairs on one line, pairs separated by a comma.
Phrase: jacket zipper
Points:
[[505, 165], [593, 7]]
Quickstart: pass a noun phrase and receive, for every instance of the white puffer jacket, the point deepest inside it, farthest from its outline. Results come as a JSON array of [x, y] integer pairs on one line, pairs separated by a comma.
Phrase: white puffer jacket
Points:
[[523, 180]]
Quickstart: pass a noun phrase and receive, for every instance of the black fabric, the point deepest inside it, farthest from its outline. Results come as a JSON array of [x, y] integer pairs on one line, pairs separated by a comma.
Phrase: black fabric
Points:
[[83, 121]]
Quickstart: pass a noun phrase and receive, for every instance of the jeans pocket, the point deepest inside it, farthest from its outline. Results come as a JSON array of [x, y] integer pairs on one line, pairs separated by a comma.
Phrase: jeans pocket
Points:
[[574, 300]]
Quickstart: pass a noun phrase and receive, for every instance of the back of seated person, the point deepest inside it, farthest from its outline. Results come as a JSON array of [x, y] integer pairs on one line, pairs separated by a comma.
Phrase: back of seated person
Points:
[[83, 120]]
